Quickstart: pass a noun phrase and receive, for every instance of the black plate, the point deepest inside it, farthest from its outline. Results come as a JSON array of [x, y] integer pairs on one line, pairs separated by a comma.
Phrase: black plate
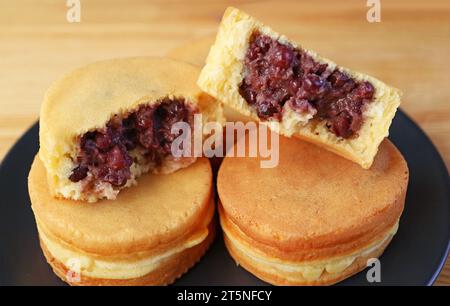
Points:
[[415, 256]]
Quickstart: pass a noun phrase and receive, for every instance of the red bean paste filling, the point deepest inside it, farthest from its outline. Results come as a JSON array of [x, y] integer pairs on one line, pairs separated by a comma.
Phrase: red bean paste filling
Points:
[[275, 74], [106, 153]]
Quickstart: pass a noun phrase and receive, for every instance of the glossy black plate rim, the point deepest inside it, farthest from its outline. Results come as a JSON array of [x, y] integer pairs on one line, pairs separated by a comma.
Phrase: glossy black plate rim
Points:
[[443, 172]]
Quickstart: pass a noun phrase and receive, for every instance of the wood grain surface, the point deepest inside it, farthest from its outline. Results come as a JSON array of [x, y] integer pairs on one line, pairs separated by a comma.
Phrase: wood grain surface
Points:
[[408, 49]]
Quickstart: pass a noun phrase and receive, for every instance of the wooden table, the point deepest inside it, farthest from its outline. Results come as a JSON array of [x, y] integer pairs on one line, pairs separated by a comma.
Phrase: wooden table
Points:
[[409, 48]]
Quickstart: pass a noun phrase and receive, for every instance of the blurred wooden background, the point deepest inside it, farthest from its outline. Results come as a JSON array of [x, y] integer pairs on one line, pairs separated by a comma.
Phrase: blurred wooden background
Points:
[[408, 49]]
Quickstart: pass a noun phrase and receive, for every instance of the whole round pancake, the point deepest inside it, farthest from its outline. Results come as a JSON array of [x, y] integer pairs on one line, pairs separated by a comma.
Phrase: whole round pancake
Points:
[[314, 205], [122, 239]]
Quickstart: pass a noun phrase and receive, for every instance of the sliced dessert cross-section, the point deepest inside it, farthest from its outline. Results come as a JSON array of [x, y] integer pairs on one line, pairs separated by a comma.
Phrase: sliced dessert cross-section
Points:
[[129, 145], [262, 74], [276, 74]]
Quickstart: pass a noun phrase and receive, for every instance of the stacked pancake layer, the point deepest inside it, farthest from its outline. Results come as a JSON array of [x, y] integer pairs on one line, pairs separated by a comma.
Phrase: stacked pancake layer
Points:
[[150, 235], [316, 218]]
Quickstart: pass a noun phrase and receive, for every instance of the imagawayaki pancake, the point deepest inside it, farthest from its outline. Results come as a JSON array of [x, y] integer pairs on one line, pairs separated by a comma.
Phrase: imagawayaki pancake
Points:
[[268, 77], [103, 125], [315, 218], [149, 235]]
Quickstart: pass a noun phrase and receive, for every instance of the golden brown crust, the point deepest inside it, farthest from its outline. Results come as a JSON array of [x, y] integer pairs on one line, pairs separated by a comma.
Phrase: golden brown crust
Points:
[[166, 274], [325, 278], [313, 201], [152, 216], [315, 218], [86, 98]]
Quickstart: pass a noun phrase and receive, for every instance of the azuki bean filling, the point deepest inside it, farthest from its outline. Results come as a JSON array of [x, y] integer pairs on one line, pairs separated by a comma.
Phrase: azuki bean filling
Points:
[[276, 74], [106, 153]]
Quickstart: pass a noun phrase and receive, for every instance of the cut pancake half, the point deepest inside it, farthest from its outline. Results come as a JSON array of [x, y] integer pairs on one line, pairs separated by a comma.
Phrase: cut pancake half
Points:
[[105, 124], [271, 79]]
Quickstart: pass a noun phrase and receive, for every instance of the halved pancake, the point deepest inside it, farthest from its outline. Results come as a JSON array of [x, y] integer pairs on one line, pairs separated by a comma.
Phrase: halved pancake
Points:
[[105, 124], [272, 79]]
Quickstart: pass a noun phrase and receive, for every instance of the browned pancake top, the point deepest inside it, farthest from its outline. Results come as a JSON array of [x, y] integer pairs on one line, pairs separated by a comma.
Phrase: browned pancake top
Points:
[[158, 211], [313, 197]]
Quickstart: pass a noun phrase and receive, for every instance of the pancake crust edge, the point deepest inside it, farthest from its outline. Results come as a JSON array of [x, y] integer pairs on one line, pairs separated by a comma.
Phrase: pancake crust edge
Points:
[[284, 279], [165, 274]]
